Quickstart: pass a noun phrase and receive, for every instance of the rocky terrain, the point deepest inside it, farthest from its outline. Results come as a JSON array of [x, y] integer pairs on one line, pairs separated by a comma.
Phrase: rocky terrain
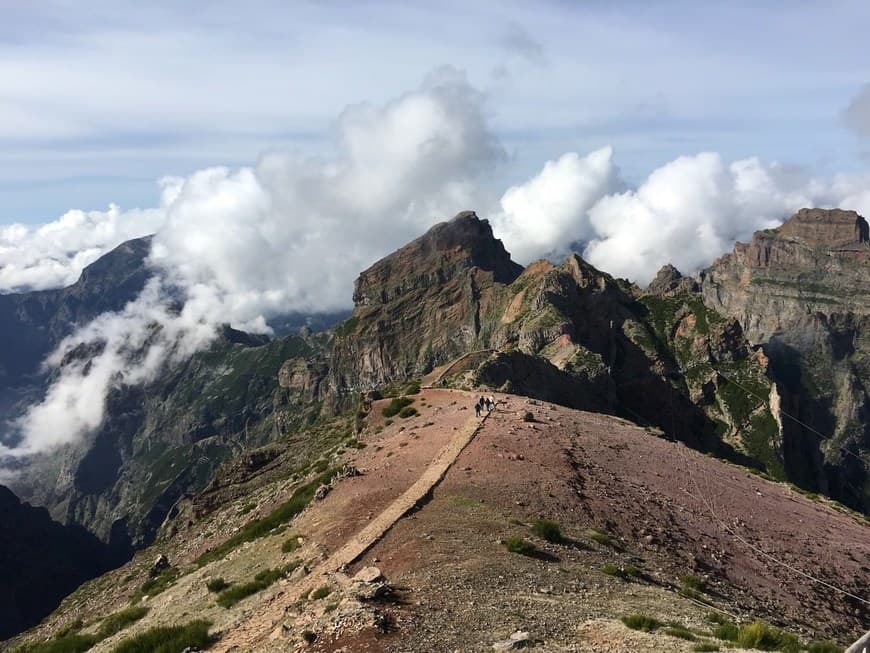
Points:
[[801, 293], [209, 463]]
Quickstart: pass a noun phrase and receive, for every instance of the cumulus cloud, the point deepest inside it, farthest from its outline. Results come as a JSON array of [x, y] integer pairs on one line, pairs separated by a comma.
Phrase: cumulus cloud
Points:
[[545, 216], [241, 246], [54, 254]]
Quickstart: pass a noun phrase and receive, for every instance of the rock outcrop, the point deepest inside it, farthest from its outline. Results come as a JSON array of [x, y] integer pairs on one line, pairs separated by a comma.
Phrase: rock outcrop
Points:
[[801, 293]]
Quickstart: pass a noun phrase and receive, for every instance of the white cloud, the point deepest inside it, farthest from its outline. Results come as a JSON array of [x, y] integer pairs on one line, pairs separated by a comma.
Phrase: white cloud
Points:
[[54, 254]]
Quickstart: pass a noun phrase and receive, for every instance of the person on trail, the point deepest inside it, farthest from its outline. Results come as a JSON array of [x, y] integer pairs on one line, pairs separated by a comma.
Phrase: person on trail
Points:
[[490, 402], [477, 409]]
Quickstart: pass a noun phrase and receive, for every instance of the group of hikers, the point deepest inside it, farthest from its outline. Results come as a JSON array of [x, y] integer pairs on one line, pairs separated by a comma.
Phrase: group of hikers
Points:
[[484, 403]]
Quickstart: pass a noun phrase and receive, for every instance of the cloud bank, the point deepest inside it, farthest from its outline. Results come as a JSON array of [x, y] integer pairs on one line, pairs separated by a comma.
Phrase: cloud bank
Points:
[[290, 233]]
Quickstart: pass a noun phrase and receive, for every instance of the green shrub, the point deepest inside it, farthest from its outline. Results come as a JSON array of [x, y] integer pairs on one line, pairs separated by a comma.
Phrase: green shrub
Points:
[[413, 388], [236, 593], [633, 572], [216, 584], [693, 583], [548, 530], [396, 405], [705, 647], [765, 637], [641, 622], [726, 631], [519, 545], [408, 411], [320, 593], [290, 544], [117, 622], [73, 643], [824, 647], [682, 632], [612, 570], [173, 639], [278, 517]]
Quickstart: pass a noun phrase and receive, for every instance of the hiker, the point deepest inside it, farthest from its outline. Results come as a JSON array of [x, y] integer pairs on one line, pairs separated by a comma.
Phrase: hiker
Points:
[[490, 403], [477, 409]]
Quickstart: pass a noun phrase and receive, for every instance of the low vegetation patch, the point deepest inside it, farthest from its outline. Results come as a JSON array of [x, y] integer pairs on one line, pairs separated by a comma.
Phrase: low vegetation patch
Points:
[[625, 573], [290, 544], [548, 530], [408, 411], [262, 580], [117, 622], [73, 643], [681, 632], [519, 545], [765, 637], [320, 593], [705, 646], [824, 647], [641, 622], [172, 639], [278, 517], [603, 538], [396, 405], [153, 586], [216, 584]]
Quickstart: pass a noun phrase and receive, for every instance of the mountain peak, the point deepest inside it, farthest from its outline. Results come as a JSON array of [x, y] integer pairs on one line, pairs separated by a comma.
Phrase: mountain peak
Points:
[[829, 228], [446, 249]]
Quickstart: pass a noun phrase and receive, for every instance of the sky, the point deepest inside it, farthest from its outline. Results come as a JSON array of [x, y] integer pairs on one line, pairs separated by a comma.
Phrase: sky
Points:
[[275, 150], [99, 100]]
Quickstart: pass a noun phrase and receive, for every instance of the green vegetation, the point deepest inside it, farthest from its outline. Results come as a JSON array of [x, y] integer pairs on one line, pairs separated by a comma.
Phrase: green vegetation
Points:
[[396, 405], [707, 647], [172, 639], [279, 517], [320, 593], [549, 530], [117, 622], [681, 632], [726, 631], [216, 584], [347, 327], [824, 647], [408, 411], [765, 637], [290, 544], [153, 586], [519, 545], [64, 644], [262, 580], [641, 622], [603, 538], [629, 571]]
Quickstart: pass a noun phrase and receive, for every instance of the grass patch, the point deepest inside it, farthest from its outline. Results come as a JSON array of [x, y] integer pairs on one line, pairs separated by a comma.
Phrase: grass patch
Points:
[[262, 580], [290, 544], [694, 583], [549, 530], [153, 586], [64, 644], [117, 622], [681, 632], [216, 584], [320, 593], [763, 636], [278, 517], [705, 646], [726, 631], [629, 571], [603, 538], [173, 639], [396, 405], [641, 622], [519, 545], [824, 647]]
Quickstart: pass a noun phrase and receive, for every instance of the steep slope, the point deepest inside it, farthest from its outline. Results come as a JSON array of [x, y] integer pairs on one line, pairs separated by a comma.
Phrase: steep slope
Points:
[[801, 293], [566, 333], [41, 561], [676, 538]]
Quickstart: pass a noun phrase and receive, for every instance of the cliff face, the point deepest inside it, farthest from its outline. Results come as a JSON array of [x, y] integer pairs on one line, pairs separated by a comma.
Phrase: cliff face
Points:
[[566, 333], [801, 291], [41, 561]]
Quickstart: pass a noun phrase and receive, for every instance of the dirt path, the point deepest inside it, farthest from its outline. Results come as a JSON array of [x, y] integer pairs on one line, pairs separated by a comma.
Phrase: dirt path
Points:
[[259, 627]]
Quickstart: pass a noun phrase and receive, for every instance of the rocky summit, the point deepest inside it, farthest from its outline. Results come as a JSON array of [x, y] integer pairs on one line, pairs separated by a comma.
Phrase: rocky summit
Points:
[[661, 469]]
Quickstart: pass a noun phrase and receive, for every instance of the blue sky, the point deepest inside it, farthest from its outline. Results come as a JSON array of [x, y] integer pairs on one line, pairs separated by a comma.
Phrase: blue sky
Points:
[[98, 100]]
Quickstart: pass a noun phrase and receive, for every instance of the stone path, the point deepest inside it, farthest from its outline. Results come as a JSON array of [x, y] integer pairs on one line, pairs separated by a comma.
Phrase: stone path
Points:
[[260, 628]]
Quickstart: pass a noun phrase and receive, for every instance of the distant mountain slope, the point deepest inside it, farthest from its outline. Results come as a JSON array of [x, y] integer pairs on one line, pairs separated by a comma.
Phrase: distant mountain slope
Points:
[[802, 292], [41, 561]]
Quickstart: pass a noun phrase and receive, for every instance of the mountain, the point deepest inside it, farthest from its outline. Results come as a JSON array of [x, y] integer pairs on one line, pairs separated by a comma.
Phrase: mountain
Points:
[[801, 293], [41, 561], [208, 463]]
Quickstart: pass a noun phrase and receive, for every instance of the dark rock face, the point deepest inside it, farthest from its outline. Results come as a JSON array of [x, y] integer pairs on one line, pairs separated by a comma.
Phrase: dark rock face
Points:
[[800, 291], [41, 561]]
